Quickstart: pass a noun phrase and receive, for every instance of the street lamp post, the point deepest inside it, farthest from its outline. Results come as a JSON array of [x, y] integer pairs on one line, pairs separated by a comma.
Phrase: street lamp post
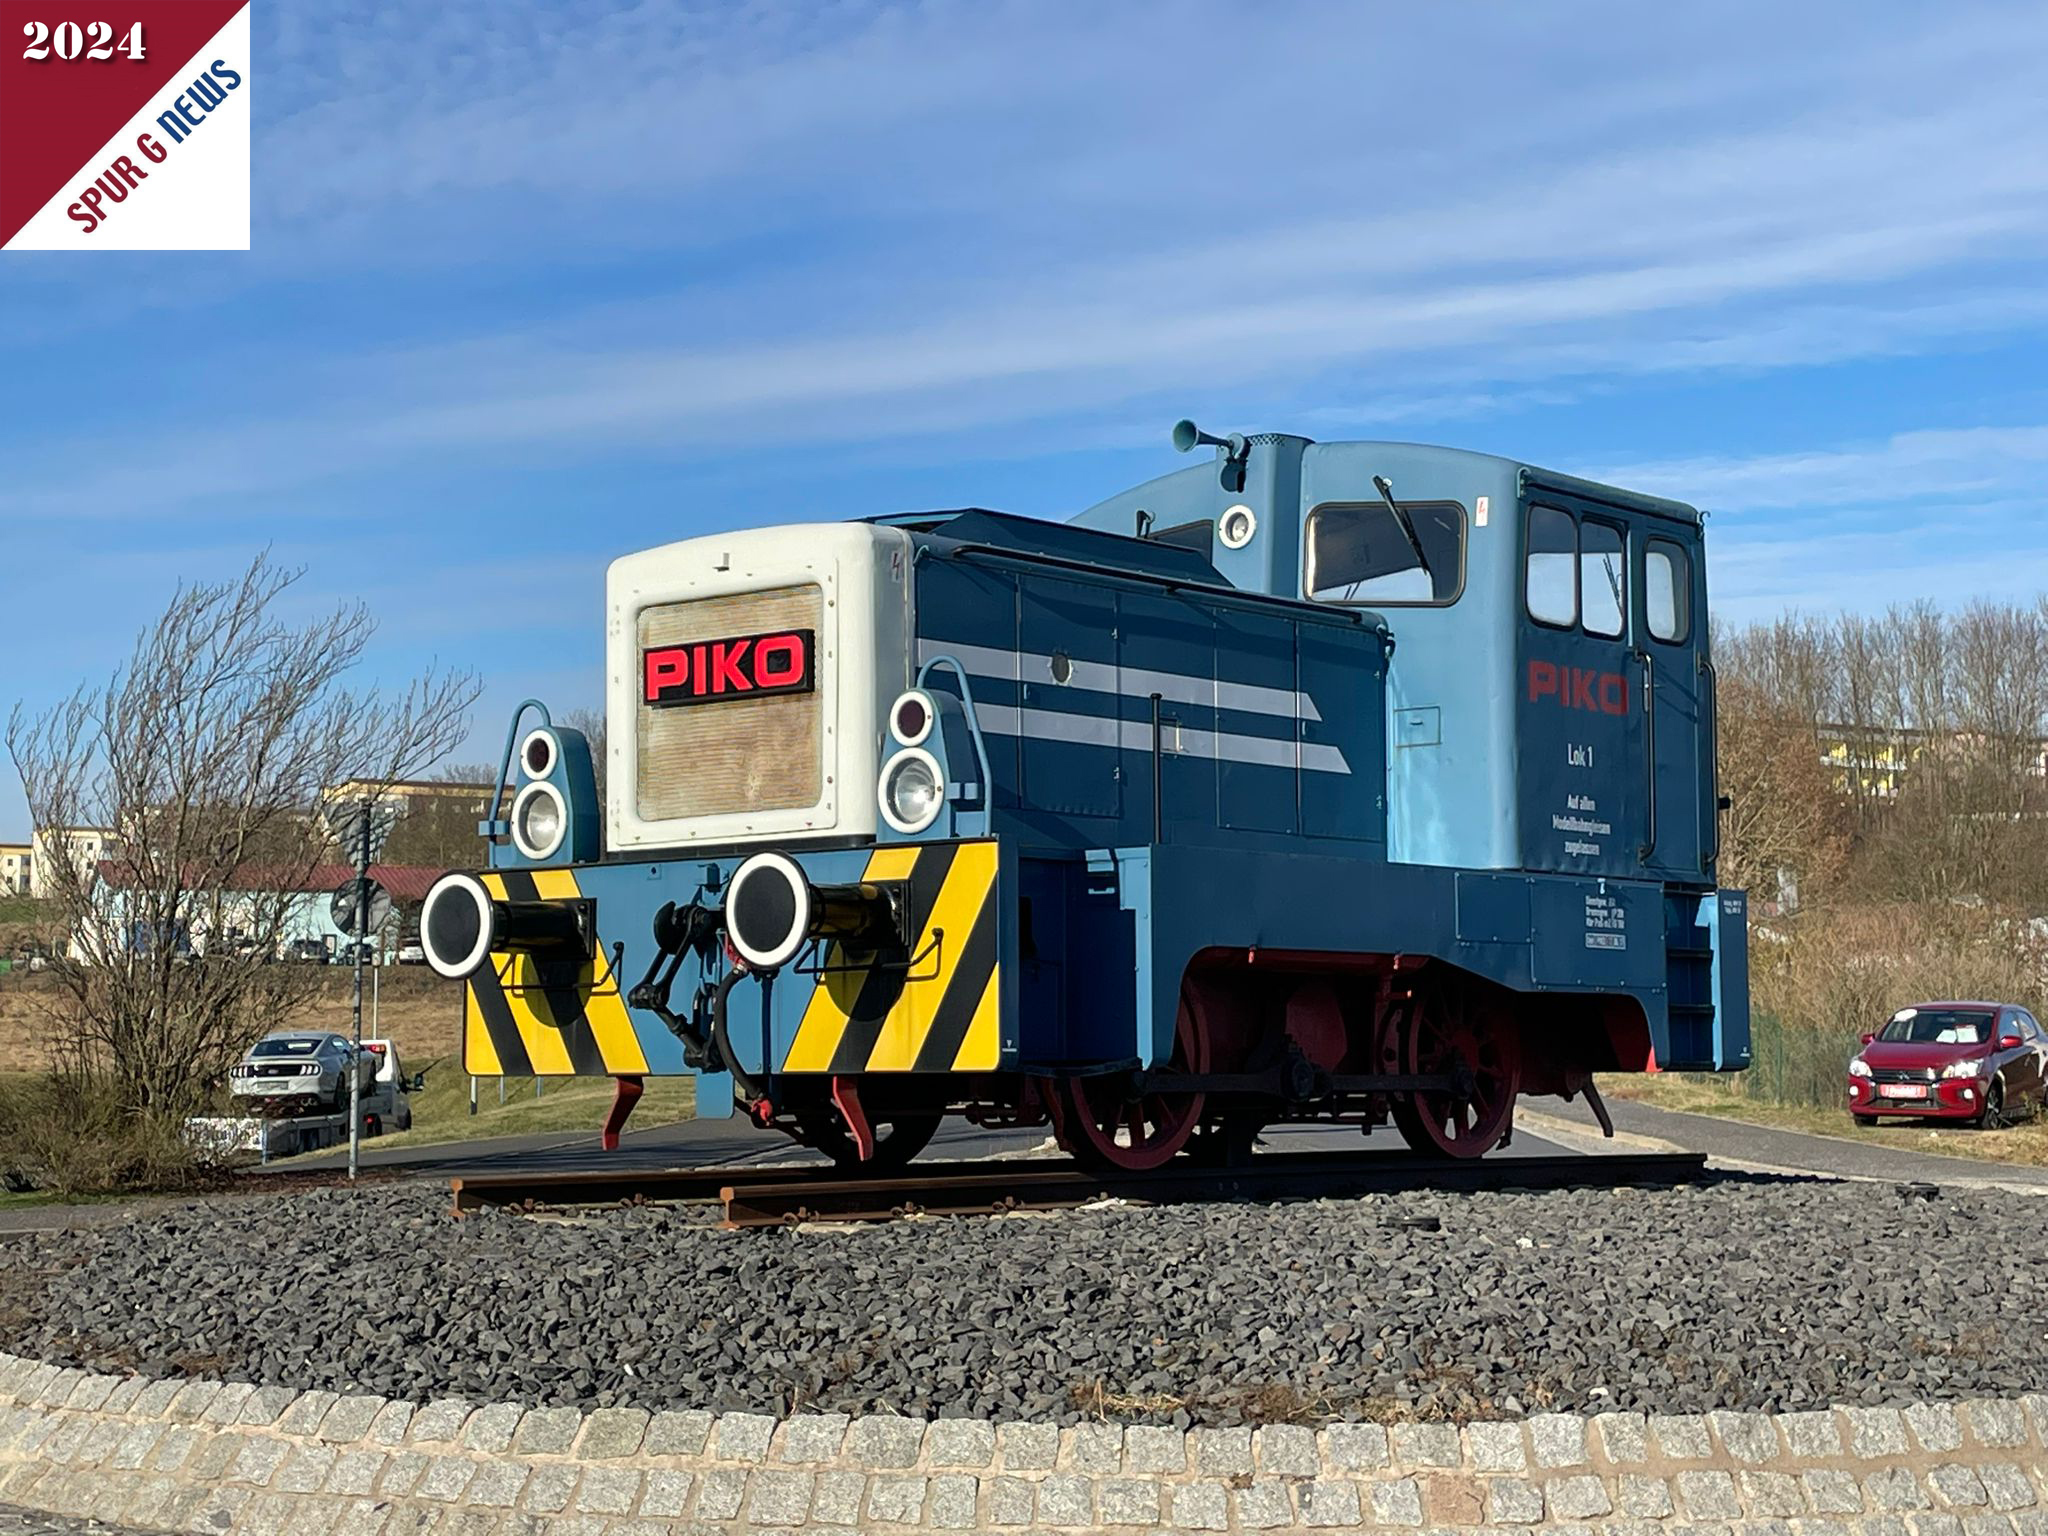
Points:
[[362, 925]]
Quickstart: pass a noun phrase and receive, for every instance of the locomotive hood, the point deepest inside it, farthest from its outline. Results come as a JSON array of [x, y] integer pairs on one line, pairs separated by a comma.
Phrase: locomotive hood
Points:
[[747, 678]]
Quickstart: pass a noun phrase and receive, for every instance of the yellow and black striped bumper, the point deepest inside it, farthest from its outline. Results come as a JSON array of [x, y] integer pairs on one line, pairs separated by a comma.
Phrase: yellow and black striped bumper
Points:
[[943, 1014], [520, 1023]]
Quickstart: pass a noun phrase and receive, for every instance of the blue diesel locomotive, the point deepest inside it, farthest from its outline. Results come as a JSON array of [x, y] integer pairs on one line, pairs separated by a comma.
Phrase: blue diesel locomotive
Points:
[[1356, 782]]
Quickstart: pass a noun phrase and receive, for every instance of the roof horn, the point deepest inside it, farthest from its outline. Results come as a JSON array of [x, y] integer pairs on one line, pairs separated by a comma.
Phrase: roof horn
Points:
[[1236, 449]]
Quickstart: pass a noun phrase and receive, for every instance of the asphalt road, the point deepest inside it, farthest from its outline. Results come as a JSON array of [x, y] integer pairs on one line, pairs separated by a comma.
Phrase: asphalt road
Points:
[[698, 1143], [1755, 1146]]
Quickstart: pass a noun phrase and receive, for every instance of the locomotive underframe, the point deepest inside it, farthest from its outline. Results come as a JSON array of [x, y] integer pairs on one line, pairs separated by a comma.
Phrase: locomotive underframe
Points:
[[1257, 1035]]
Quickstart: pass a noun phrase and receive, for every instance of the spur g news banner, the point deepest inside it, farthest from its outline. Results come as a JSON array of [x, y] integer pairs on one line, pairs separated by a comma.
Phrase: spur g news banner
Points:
[[124, 125]]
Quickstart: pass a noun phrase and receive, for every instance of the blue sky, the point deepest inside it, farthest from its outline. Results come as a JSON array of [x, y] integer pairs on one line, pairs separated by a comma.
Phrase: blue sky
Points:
[[534, 285]]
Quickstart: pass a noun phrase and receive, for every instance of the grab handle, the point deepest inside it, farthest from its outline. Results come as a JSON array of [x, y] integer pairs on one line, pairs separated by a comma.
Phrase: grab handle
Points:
[[1710, 712], [1649, 844]]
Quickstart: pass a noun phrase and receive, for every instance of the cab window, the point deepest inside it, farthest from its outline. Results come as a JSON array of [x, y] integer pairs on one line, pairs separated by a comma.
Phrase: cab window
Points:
[[1358, 552], [1667, 591], [1603, 600], [1551, 587]]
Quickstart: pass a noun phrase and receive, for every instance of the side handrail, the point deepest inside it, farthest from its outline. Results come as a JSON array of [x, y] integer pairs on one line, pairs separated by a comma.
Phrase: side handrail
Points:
[[1649, 844], [493, 826], [1710, 712], [981, 758]]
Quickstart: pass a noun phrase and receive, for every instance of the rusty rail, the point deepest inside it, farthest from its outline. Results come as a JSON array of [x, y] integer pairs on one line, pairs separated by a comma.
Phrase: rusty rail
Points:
[[762, 1195]]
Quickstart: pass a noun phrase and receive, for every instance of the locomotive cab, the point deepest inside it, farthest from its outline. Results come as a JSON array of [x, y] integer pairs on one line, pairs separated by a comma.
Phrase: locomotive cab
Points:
[[1355, 782]]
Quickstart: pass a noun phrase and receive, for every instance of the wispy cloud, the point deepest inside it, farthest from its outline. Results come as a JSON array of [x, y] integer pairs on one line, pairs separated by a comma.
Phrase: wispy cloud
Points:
[[1949, 516], [887, 227], [1942, 466]]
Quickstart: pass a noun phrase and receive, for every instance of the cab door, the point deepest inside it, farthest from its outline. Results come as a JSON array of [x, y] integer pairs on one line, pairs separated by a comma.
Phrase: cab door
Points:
[[1674, 682], [1581, 740]]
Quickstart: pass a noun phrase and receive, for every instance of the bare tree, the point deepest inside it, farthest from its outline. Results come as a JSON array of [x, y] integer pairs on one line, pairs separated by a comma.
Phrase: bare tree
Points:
[[1786, 823], [206, 758], [591, 723]]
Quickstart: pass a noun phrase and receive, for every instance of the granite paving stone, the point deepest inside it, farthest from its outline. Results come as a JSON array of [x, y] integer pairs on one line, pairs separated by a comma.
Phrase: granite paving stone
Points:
[[611, 1434], [1495, 1446], [960, 1443], [1513, 1501], [1026, 1447], [1199, 1506], [898, 1500], [1286, 1450], [608, 1490], [1397, 1503], [813, 1437], [778, 1496], [837, 1497]]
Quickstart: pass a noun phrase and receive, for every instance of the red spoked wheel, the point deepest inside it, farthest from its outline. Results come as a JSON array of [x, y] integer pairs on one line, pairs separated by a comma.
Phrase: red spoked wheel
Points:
[[1106, 1126], [1439, 1031]]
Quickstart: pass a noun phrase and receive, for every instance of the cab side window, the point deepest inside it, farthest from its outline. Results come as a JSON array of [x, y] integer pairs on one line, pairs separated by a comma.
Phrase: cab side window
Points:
[[1551, 587], [1667, 591]]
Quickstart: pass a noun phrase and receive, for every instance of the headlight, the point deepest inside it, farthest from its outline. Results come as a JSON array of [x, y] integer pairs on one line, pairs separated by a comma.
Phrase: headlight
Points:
[[911, 717], [537, 754], [1858, 1067], [540, 820], [911, 790], [1963, 1069]]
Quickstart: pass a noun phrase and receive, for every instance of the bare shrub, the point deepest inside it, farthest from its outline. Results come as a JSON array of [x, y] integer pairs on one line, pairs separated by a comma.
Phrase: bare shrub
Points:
[[205, 757], [65, 1135]]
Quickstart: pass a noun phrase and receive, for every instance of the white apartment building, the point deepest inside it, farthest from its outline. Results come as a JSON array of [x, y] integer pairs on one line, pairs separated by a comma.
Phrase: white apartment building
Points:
[[83, 846], [17, 865]]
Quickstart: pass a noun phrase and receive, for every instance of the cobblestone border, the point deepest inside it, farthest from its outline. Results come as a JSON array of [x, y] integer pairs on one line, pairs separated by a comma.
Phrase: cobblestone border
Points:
[[209, 1457]]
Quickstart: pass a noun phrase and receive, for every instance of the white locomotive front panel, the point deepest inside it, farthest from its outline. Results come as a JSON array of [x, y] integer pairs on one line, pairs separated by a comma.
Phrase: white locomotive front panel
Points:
[[749, 674]]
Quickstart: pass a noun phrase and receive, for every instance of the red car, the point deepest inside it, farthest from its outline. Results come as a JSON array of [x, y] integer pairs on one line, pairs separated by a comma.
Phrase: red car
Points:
[[1950, 1061]]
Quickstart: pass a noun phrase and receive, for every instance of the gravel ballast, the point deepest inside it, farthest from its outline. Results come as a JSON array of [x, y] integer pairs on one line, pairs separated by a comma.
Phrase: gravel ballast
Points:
[[1740, 1293]]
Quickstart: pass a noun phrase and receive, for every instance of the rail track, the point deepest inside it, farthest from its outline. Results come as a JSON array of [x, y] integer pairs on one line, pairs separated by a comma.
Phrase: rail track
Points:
[[767, 1195]]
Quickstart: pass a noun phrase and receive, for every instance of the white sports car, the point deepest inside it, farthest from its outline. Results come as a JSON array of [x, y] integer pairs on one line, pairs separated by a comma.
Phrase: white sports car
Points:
[[299, 1070]]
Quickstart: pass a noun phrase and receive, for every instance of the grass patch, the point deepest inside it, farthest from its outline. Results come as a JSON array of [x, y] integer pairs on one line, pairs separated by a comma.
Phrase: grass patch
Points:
[[2024, 1144], [22, 909]]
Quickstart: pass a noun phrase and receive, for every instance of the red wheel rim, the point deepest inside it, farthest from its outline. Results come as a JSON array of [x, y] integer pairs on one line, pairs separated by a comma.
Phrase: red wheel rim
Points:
[[1105, 1123], [1438, 1033]]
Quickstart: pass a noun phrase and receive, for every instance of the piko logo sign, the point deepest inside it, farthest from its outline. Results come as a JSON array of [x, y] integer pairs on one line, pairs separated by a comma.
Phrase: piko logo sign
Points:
[[745, 666], [1598, 693], [124, 125]]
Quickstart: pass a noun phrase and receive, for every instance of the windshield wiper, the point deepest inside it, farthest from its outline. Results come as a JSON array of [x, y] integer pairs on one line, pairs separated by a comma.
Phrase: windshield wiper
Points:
[[1385, 487]]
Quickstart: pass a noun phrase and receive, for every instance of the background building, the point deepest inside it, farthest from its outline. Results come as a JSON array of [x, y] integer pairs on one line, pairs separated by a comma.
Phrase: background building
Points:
[[83, 846], [17, 867], [432, 822]]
